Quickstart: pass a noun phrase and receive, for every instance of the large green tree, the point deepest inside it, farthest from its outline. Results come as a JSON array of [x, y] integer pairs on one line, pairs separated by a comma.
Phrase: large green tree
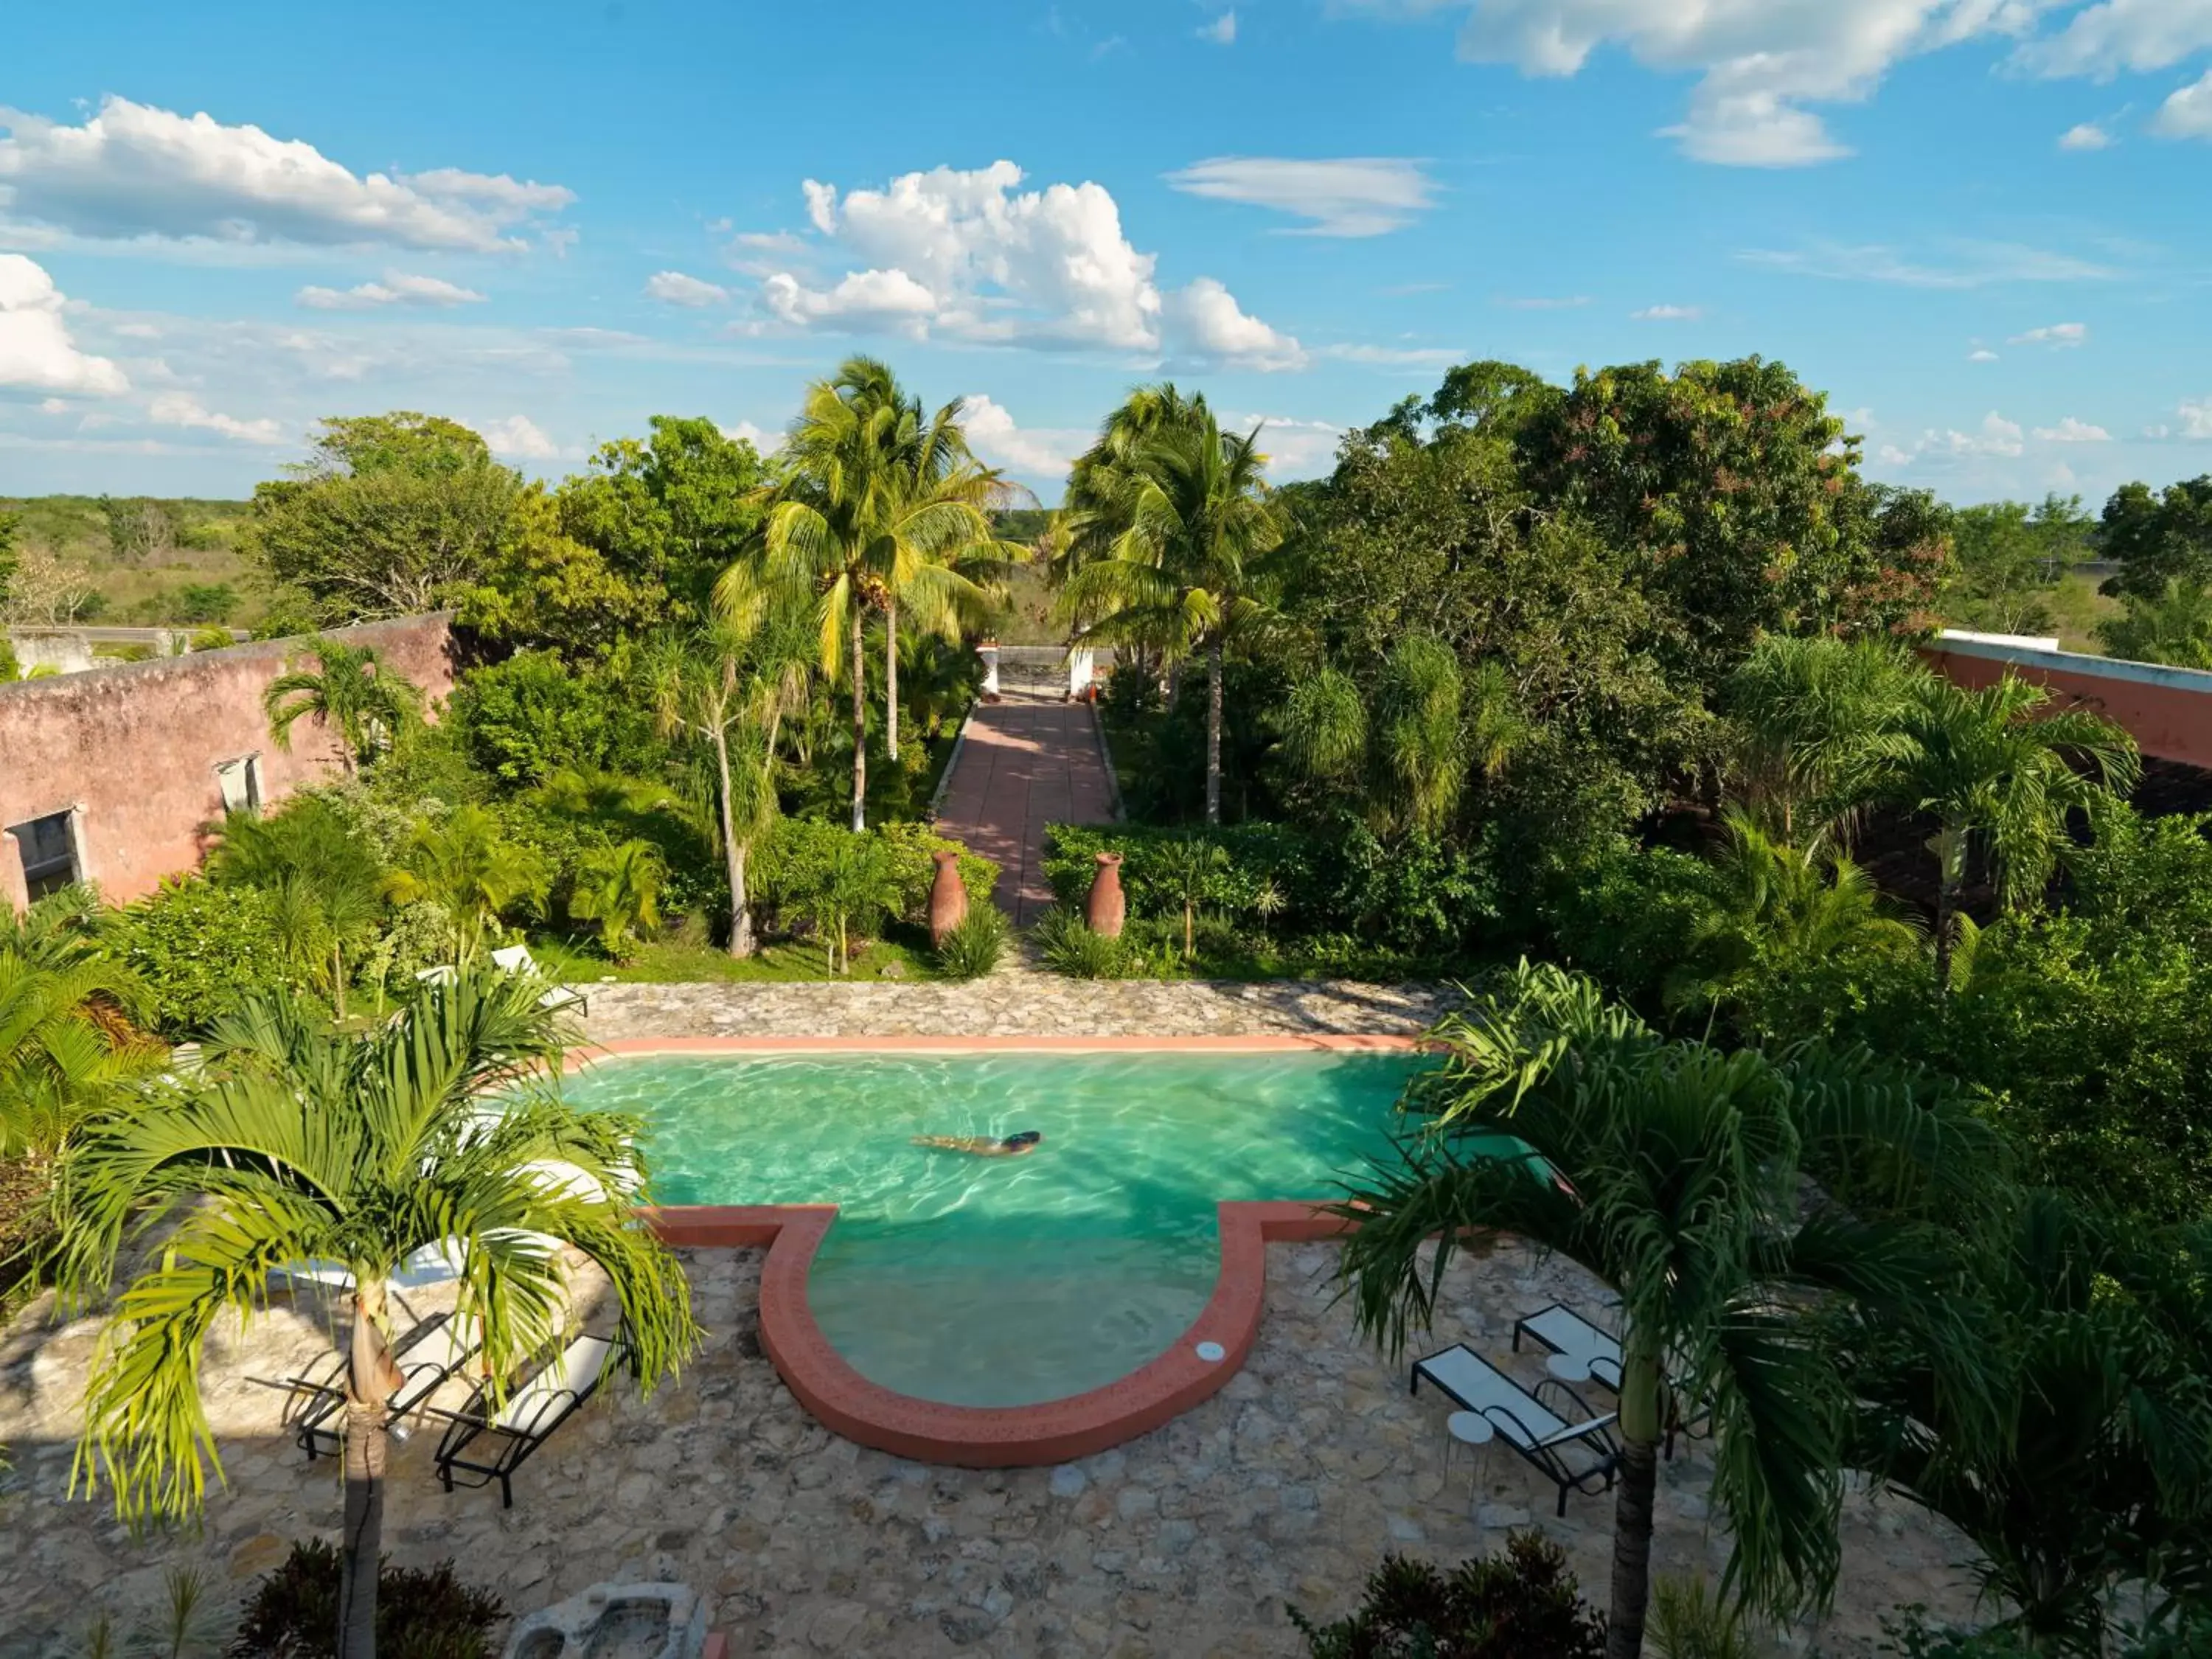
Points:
[[1674, 1172], [2157, 536], [2007, 560], [1183, 524], [296, 1143], [629, 547], [389, 515]]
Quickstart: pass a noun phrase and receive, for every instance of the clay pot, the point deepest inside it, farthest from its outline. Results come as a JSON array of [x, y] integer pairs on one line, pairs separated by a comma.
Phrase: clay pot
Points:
[[948, 897], [1104, 911]]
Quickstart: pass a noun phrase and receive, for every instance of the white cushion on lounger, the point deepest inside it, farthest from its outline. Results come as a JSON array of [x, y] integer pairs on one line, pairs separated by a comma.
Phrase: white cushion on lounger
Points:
[[1481, 1386], [575, 1371]]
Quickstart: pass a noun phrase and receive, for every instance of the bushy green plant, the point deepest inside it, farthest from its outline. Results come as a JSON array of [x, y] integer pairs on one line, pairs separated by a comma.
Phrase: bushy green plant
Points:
[[532, 715], [793, 862], [973, 949], [1071, 948], [1689, 1621], [421, 1612], [202, 949], [1525, 1605]]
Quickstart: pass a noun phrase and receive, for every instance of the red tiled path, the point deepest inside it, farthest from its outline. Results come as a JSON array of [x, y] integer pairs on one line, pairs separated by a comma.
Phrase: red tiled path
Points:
[[1025, 763]]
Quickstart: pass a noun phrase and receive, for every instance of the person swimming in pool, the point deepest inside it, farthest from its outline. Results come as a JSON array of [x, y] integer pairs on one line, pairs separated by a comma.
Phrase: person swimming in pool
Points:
[[985, 1146]]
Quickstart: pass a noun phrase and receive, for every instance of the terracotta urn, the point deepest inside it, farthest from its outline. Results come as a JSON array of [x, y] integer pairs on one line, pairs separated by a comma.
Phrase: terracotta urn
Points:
[[1103, 912], [948, 897]]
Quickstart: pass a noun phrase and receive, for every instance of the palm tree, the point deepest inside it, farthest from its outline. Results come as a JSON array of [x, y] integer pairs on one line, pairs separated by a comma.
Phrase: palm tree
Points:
[[1176, 531], [1671, 1171], [1774, 907], [301, 1143], [619, 888], [2100, 1334], [2175, 627], [327, 880], [1185, 866], [875, 503], [350, 692], [2000, 771], [67, 1046], [1815, 719], [465, 867]]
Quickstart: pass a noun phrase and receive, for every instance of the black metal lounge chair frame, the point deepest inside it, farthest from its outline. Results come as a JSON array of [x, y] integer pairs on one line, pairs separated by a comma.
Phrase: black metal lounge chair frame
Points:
[[1541, 1452], [476, 1422], [1688, 1428], [314, 1402]]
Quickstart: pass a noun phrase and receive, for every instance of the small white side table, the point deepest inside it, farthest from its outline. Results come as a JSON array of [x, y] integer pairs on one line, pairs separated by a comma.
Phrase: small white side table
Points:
[[1468, 1429]]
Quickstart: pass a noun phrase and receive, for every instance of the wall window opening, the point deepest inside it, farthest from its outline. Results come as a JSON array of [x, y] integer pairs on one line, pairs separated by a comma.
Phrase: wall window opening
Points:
[[49, 853], [240, 781]]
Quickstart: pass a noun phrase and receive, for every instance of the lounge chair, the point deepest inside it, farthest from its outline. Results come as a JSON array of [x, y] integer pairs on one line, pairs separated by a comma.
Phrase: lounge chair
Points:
[[426, 1356], [1596, 1352], [1578, 1456], [492, 1441], [517, 960]]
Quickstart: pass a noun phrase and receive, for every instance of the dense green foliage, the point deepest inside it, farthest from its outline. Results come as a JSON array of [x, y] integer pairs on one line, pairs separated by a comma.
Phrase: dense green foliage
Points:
[[1518, 1606], [201, 947], [421, 1613]]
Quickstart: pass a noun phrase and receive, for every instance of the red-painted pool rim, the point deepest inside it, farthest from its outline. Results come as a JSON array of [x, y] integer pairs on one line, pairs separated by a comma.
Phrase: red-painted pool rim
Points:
[[977, 1437]]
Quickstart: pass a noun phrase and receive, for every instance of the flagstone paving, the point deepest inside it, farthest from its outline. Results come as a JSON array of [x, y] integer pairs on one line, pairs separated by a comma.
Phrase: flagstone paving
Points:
[[1283, 1489], [1024, 764]]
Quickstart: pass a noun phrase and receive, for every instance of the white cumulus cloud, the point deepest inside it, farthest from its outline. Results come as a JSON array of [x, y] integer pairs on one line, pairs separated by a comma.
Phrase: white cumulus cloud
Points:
[[970, 257], [1033, 452], [2057, 334], [1995, 436], [2195, 420], [674, 287], [398, 289], [1207, 318], [1221, 31], [2085, 135], [1667, 315], [132, 171], [1397, 356], [2072, 431], [1354, 196], [1294, 448], [519, 438], [181, 409], [2113, 35], [36, 351], [1981, 355], [2188, 112]]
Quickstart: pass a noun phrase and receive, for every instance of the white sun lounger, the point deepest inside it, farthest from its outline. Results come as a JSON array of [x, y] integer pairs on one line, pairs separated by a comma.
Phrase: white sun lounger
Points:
[[429, 1354], [492, 1442], [1580, 1455], [1575, 1340]]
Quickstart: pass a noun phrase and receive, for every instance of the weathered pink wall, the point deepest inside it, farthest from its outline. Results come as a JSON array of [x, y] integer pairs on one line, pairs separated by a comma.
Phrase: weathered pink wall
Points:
[[134, 748], [2168, 711]]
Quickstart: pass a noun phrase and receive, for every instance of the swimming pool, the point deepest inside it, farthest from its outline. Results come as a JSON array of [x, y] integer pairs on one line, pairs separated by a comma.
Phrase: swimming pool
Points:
[[1005, 1282]]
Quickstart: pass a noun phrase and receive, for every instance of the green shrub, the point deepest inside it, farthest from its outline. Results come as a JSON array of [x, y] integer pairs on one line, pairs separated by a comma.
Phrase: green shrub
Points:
[[1524, 1606], [792, 865], [1688, 1621], [973, 949], [531, 716], [1073, 949], [202, 949], [420, 1613]]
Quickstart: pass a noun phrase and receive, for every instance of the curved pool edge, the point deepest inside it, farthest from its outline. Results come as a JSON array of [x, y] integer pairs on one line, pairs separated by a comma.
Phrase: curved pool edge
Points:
[[995, 1437]]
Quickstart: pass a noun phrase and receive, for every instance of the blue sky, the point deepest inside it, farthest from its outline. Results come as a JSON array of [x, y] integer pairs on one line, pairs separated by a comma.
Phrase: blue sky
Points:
[[1979, 225]]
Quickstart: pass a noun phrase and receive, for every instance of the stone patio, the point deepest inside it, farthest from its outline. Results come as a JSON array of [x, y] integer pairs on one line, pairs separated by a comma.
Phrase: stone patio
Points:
[[1285, 1487]]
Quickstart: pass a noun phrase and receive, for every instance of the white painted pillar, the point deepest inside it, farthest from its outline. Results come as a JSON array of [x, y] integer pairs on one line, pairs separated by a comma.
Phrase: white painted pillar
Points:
[[1081, 666], [989, 651]]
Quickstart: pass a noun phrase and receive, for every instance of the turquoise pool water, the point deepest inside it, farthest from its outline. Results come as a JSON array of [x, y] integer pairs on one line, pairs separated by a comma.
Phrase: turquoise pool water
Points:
[[1007, 1281]]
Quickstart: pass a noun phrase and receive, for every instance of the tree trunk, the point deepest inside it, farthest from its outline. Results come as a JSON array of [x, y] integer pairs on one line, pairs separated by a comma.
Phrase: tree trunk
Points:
[[860, 721], [1643, 1407], [371, 1379], [1949, 845], [338, 977], [1632, 1549], [1213, 732], [890, 678], [733, 856]]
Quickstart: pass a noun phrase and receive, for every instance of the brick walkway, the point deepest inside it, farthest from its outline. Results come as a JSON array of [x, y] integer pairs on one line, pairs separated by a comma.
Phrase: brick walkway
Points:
[[1026, 763]]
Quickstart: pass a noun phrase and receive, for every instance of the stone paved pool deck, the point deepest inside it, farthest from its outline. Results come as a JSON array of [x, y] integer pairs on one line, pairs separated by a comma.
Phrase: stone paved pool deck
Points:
[[1285, 1487]]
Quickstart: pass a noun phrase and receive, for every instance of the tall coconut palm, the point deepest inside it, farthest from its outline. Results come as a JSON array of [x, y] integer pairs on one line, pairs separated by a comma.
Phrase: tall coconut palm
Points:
[[302, 1144], [1672, 1171], [2000, 771], [1179, 524], [463, 865], [875, 503], [350, 693]]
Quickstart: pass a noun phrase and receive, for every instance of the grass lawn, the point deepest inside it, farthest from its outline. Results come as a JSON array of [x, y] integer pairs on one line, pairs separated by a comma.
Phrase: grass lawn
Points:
[[668, 962]]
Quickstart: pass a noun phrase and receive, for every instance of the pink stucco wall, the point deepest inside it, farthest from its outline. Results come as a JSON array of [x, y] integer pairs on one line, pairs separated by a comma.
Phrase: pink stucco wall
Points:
[[2168, 711], [132, 750]]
